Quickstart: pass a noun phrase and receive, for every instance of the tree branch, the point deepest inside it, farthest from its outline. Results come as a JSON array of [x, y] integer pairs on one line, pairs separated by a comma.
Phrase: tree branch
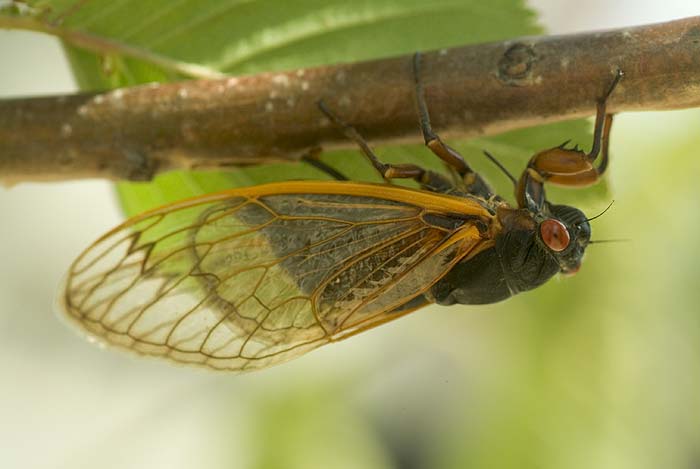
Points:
[[133, 133]]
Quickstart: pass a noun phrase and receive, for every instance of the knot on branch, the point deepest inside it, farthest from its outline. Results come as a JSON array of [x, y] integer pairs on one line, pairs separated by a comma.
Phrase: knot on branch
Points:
[[515, 67]]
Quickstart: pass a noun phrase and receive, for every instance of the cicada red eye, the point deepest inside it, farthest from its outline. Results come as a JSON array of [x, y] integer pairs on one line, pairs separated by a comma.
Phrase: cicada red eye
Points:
[[555, 235]]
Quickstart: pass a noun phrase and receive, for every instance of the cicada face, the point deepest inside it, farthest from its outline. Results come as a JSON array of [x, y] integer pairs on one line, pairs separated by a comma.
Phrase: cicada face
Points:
[[578, 230]]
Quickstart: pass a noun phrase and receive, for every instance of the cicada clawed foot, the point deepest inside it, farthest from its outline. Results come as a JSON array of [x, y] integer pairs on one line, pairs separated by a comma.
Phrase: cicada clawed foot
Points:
[[570, 167]]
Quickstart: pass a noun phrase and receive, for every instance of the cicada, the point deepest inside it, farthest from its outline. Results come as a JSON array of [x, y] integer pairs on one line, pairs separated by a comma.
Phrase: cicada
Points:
[[251, 277]]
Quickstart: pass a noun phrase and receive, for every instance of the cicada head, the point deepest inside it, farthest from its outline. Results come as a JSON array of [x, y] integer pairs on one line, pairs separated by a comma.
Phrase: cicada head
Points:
[[534, 246], [578, 232], [526, 258]]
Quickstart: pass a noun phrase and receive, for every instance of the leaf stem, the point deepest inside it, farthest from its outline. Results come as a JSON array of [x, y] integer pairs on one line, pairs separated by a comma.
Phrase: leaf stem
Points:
[[101, 45]]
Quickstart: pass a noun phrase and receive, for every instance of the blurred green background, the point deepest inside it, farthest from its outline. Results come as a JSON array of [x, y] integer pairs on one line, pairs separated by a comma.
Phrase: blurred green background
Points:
[[598, 370]]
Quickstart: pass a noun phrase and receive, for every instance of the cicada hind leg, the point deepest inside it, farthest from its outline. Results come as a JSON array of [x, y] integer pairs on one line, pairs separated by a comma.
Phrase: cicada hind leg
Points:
[[429, 180], [569, 166], [470, 181]]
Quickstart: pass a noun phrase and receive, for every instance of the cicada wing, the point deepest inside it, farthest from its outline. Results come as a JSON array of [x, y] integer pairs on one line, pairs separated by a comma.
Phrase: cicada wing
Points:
[[246, 279]]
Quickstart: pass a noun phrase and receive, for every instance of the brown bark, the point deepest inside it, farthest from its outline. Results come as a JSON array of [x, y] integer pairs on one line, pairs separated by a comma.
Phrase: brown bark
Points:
[[133, 133]]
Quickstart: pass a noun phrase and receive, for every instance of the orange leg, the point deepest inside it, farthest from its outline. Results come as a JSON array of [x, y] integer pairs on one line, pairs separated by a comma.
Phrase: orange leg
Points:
[[473, 183], [568, 166], [429, 180]]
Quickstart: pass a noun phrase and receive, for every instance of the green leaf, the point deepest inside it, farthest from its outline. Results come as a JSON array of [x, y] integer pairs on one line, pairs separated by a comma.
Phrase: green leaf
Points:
[[240, 36]]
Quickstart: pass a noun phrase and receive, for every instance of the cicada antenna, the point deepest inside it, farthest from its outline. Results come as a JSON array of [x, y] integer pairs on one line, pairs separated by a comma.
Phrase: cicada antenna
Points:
[[601, 213], [501, 167], [600, 241]]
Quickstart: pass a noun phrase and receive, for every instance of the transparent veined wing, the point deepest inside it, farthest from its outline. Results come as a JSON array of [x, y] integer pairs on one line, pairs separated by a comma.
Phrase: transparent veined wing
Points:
[[251, 277]]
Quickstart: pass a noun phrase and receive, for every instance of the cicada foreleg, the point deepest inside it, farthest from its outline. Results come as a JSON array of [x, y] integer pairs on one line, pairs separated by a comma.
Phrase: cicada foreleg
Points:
[[429, 180], [470, 180], [569, 166]]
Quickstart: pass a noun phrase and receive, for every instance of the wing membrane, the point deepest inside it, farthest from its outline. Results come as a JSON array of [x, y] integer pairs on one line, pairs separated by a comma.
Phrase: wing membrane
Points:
[[252, 277]]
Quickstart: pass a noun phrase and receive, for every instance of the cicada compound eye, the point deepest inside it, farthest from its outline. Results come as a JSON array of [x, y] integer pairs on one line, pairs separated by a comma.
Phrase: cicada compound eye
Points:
[[555, 235]]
